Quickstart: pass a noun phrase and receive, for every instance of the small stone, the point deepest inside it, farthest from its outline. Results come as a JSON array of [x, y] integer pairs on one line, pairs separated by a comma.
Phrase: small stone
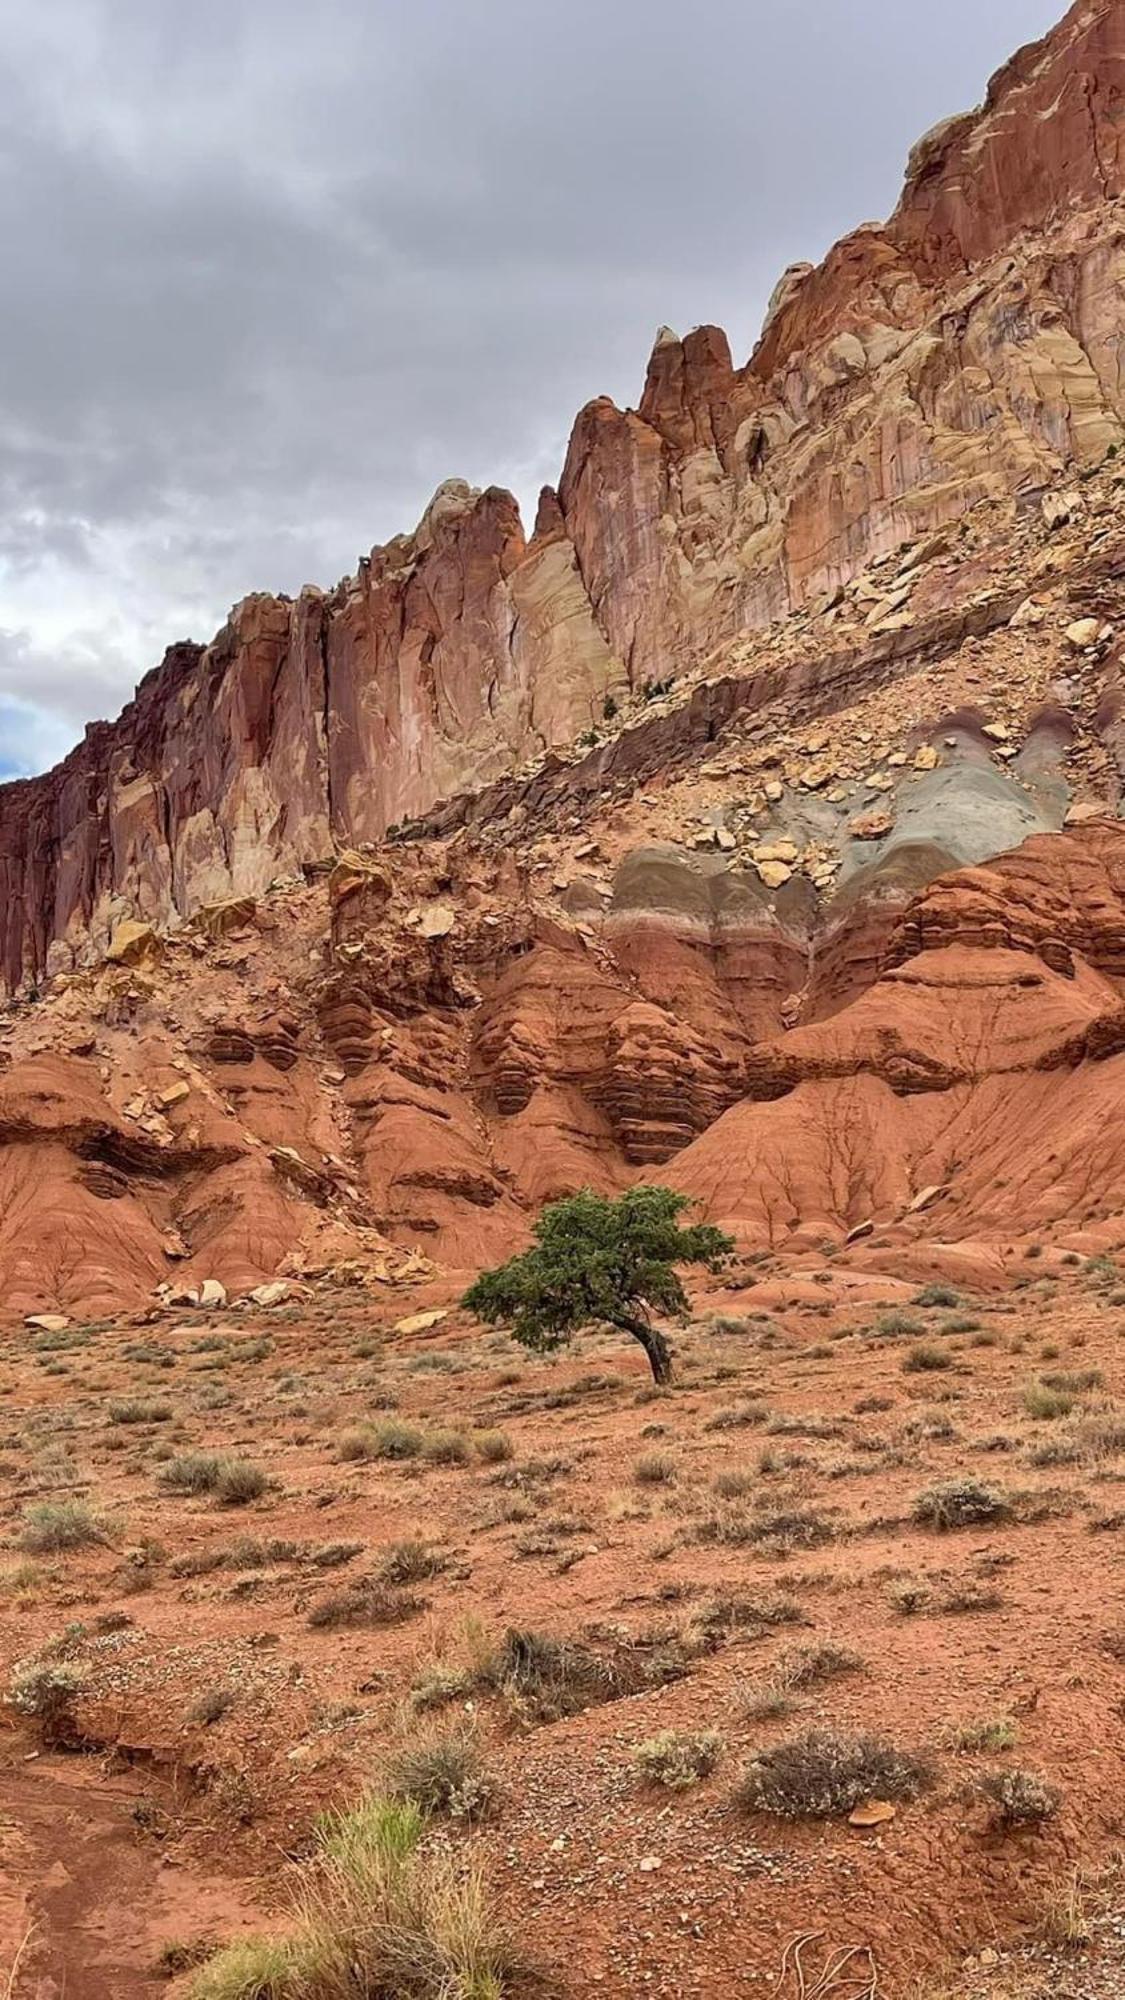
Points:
[[1084, 632], [926, 758], [212, 1293], [925, 1196], [873, 1812], [997, 732], [423, 1321], [1057, 509], [774, 873], [437, 920], [175, 1094], [131, 942]]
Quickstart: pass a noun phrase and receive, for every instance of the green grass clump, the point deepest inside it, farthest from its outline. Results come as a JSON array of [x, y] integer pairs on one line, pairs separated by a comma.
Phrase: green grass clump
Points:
[[380, 1913]]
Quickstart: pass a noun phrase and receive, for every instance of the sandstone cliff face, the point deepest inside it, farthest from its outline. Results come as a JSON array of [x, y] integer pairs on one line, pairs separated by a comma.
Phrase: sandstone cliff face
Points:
[[969, 348]]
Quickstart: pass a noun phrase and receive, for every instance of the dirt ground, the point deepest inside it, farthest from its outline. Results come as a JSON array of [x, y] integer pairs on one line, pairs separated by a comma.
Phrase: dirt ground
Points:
[[742, 1554]]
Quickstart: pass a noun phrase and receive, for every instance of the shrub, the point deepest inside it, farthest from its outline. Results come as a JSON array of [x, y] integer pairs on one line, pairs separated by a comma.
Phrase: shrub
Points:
[[446, 1447], [821, 1660], [1018, 1797], [493, 1447], [1044, 1404], [826, 1773], [411, 1561], [379, 1914], [678, 1758], [961, 1503], [654, 1468], [969, 1595], [925, 1359], [937, 1295], [239, 1483], [733, 1485], [138, 1410], [898, 1322], [910, 1595], [548, 1677], [394, 1439], [212, 1706], [368, 1602], [1075, 1381], [45, 1691], [441, 1772], [767, 1703], [191, 1472], [234, 1482], [990, 1734], [51, 1527]]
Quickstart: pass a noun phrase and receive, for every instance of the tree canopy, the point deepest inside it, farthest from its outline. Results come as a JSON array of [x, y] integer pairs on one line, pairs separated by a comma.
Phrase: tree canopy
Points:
[[596, 1261]]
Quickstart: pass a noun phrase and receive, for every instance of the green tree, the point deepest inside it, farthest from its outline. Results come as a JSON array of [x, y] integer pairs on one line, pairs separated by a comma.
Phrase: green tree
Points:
[[597, 1262]]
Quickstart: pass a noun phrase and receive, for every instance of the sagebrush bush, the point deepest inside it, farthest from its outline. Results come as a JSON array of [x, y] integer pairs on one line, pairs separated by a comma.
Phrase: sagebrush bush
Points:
[[925, 1359], [964, 1502], [1044, 1403], [233, 1482], [808, 1666], [411, 1561], [654, 1468], [493, 1447], [1018, 1797], [138, 1410], [827, 1772], [937, 1295], [51, 1527], [678, 1758], [446, 1447], [441, 1772], [45, 1691], [367, 1602]]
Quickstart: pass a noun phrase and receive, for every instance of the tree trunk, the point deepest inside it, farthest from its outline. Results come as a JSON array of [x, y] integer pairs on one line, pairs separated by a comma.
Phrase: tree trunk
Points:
[[655, 1346]]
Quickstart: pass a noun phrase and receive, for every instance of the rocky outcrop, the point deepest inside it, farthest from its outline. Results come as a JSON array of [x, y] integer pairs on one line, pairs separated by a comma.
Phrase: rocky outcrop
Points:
[[968, 349]]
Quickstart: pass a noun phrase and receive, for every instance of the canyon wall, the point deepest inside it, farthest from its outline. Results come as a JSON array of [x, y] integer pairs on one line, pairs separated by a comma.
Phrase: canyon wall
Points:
[[969, 349]]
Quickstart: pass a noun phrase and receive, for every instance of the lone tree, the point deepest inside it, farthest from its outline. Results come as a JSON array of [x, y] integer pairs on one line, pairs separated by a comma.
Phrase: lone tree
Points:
[[597, 1262]]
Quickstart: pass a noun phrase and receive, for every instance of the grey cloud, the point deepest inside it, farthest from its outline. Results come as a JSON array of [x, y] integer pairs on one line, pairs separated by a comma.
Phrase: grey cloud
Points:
[[273, 271]]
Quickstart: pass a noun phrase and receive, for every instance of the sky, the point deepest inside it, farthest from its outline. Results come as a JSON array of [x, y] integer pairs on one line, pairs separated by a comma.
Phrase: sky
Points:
[[274, 270]]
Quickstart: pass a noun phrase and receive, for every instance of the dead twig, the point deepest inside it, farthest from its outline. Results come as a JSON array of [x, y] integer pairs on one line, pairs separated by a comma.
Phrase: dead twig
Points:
[[849, 1973]]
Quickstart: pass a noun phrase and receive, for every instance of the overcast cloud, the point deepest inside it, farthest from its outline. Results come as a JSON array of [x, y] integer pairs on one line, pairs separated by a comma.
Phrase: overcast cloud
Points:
[[272, 270]]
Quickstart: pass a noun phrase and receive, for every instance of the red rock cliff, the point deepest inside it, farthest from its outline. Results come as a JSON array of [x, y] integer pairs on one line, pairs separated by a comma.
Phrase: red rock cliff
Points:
[[969, 348]]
